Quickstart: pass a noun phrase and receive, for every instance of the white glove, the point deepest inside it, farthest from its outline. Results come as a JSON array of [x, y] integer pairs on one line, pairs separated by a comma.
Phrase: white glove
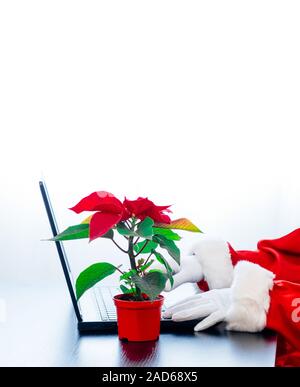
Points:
[[190, 270], [204, 258], [211, 306]]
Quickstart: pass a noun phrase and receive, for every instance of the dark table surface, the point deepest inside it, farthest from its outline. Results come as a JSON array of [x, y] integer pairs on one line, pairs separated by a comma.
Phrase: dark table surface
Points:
[[40, 330]]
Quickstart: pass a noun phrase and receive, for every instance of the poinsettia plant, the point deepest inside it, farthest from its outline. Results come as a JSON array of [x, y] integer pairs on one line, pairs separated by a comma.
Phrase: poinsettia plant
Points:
[[145, 228]]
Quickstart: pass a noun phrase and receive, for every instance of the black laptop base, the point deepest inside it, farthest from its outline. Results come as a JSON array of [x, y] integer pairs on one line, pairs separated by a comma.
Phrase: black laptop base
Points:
[[166, 326]]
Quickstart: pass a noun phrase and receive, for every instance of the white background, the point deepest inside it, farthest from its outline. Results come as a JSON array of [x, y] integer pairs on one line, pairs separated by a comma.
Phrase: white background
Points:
[[194, 103]]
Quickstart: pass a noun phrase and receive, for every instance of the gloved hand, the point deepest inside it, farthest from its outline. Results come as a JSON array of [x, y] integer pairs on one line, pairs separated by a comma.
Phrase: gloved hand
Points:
[[190, 270], [212, 306], [194, 267]]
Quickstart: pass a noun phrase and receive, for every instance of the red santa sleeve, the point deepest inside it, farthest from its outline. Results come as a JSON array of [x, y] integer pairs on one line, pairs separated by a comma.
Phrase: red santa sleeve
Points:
[[284, 318], [259, 301]]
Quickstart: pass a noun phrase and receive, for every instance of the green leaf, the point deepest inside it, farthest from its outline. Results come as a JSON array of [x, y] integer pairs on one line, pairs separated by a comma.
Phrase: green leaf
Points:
[[144, 229], [93, 274], [168, 245], [149, 247], [179, 224], [152, 284], [145, 267], [78, 231], [168, 233], [161, 259], [125, 290], [124, 230], [109, 234], [156, 271], [128, 274]]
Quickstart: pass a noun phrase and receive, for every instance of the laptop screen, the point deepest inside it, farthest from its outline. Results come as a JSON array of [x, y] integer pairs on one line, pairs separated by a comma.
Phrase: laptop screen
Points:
[[60, 249]]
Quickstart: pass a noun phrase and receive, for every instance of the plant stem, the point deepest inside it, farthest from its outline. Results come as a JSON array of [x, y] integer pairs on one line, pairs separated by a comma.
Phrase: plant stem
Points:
[[119, 247], [133, 265], [137, 239], [148, 258], [130, 253], [145, 244], [118, 268]]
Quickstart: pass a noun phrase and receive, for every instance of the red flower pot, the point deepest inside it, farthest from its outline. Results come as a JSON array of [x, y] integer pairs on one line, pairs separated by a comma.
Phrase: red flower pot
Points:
[[138, 320]]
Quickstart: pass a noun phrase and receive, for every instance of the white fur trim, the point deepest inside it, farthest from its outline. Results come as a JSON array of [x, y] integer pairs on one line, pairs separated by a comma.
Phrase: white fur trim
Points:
[[215, 259], [250, 297]]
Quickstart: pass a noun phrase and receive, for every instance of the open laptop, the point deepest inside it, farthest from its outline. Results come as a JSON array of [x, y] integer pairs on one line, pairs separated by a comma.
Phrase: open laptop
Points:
[[96, 310]]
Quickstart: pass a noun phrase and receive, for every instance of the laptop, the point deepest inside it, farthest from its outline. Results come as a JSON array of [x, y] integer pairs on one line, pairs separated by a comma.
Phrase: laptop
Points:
[[96, 310]]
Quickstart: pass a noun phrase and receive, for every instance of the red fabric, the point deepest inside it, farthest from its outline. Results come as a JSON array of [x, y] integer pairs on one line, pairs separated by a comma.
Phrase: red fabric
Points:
[[284, 318], [286, 354], [282, 257], [203, 285]]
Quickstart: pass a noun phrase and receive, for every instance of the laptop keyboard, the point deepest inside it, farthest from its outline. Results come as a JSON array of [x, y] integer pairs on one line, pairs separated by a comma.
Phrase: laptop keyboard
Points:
[[104, 299]]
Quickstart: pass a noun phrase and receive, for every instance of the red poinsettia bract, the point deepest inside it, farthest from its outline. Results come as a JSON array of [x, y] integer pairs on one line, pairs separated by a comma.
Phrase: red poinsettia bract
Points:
[[110, 211]]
